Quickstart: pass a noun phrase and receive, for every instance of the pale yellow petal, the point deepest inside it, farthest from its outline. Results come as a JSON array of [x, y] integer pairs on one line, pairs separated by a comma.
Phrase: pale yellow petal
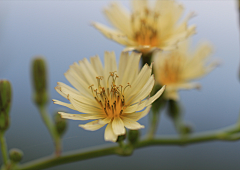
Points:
[[145, 91], [131, 124], [124, 57], [139, 5], [80, 98], [92, 126], [120, 18], [135, 116], [64, 104], [109, 135], [72, 90], [105, 120], [78, 83], [88, 72], [118, 126], [129, 75], [139, 82], [155, 97], [117, 36], [84, 108], [80, 116]]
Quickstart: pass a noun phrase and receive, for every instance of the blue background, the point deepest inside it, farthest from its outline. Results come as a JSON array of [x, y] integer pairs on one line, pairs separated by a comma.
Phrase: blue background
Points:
[[62, 32]]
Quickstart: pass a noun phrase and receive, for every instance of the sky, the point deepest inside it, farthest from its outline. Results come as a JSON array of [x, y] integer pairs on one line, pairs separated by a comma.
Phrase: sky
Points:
[[61, 31]]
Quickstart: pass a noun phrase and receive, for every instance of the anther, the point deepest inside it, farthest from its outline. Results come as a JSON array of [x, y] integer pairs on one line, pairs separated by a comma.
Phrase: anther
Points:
[[121, 112]]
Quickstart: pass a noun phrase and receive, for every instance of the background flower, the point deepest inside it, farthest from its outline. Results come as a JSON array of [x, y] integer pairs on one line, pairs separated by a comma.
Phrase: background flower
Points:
[[178, 67], [147, 27]]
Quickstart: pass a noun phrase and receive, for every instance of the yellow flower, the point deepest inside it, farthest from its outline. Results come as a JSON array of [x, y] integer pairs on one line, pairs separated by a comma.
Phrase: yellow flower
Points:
[[147, 28], [176, 68], [116, 96]]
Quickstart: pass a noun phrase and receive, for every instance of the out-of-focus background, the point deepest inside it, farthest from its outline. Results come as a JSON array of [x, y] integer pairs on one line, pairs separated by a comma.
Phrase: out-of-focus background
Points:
[[62, 32]]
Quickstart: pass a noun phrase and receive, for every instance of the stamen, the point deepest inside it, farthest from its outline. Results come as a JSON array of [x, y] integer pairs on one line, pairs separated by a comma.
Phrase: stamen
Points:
[[128, 85], [92, 89], [105, 111], [145, 27], [112, 110], [112, 99], [121, 112]]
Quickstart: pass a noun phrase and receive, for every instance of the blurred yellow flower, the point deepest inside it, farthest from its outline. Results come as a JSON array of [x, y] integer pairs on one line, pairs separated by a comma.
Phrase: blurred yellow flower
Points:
[[176, 68], [147, 28], [118, 97]]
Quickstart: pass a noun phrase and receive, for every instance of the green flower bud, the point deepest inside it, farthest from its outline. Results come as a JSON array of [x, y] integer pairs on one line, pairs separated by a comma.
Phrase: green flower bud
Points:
[[121, 138], [133, 136], [186, 129], [5, 104], [15, 155], [39, 80], [60, 124]]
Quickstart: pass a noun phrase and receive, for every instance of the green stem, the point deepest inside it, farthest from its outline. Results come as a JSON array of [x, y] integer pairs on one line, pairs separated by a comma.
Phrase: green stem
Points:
[[3, 148], [51, 128], [68, 158], [146, 58], [226, 134], [153, 125]]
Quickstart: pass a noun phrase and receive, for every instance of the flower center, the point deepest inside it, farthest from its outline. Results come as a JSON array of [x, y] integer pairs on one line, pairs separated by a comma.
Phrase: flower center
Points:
[[171, 70], [110, 99], [145, 27]]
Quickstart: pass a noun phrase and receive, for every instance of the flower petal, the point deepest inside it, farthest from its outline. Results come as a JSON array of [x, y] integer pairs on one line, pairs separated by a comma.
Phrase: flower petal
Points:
[[117, 36], [64, 104], [155, 97], [131, 124], [84, 108], [80, 116], [120, 18], [109, 135], [137, 115], [118, 126], [92, 126]]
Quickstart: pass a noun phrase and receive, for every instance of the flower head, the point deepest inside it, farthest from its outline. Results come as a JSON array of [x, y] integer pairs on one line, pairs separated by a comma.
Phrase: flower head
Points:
[[116, 96], [176, 68], [147, 28]]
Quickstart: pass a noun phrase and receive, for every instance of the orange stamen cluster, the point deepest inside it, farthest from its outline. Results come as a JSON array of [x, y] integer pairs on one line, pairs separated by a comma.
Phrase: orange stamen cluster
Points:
[[111, 99], [145, 27], [171, 71]]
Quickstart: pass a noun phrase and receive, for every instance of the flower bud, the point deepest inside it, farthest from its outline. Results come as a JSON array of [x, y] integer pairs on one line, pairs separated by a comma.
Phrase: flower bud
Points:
[[15, 155], [39, 80], [60, 124], [121, 138], [186, 129], [5, 104], [133, 136]]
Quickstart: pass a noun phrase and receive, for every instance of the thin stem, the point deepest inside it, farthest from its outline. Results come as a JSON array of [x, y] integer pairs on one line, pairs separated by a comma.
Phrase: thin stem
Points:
[[3, 148], [153, 125], [146, 58], [71, 157], [49, 124], [228, 134]]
